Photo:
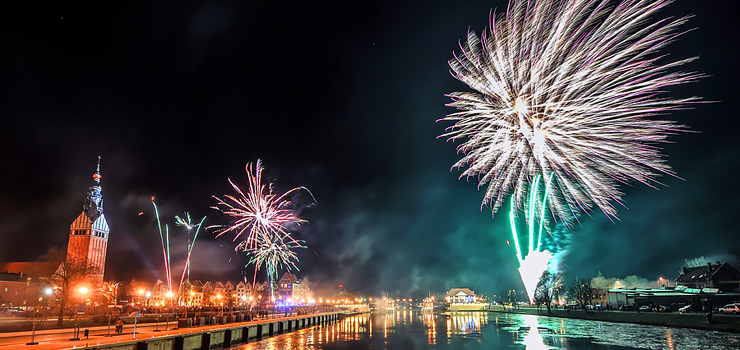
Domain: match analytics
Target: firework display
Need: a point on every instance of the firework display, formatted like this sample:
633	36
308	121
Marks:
164	236
258	210
534	261
275	252
188	224
569	91
261	220
570	88
165	239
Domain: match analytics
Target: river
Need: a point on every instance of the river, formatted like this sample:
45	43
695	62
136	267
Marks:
414	329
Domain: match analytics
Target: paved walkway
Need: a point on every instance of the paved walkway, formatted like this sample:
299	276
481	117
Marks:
61	338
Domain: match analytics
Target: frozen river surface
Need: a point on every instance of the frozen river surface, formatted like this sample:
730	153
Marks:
412	329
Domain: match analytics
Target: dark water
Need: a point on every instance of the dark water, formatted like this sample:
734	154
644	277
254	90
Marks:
410	330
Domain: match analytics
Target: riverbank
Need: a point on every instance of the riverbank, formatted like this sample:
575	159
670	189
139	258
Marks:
188	338
727	323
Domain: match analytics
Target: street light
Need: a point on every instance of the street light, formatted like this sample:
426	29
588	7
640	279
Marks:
148	295
82	291
169	295
221	305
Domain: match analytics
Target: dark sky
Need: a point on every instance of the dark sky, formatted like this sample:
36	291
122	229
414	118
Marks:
337	96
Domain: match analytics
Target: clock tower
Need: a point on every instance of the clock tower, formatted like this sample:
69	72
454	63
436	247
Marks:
88	234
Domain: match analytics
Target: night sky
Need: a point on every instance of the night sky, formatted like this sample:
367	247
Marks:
340	97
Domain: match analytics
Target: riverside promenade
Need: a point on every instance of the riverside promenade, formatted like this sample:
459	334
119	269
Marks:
720	322
155	337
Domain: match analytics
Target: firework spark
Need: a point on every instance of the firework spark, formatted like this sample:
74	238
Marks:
533	261
273	251
165	239
188	224
258	210
570	89
262	218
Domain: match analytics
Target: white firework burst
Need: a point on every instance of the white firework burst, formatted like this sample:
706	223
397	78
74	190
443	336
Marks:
571	88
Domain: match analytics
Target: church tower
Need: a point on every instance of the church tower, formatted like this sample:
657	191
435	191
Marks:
88	234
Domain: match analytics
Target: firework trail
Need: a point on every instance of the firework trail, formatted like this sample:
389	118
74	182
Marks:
187	223
275	252
568	91
570	88
258	210
165	239
534	261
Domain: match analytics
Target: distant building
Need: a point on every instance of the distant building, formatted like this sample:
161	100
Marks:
722	277
20	290
243	292
301	293
88	234
460	296
464	299
285	287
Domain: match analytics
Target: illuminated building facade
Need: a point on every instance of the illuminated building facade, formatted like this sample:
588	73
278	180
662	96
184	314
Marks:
88	234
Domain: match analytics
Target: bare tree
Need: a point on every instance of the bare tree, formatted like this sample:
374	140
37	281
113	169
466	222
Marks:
104	295
547	289
68	276
581	292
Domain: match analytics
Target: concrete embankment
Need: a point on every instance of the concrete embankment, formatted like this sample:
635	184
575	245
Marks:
216	335
728	323
226	336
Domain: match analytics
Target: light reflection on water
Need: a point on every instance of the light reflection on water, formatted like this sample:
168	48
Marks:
413	329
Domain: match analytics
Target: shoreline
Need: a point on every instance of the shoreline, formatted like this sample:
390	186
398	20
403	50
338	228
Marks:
725	323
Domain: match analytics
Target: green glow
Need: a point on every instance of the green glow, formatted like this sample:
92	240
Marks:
531	209
512	220
536	261
531	216
542	213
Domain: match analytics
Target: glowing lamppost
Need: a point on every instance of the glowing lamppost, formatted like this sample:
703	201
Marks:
82	291
148	295
221	304
141	297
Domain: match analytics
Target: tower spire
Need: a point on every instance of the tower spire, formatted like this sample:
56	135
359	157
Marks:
96	176
93	206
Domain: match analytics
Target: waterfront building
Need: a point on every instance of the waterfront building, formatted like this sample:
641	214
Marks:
243	292
722	277
285	287
196	293
301	293
464	299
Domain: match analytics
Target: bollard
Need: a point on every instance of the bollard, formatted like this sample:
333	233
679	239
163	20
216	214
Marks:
179	343
205	341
